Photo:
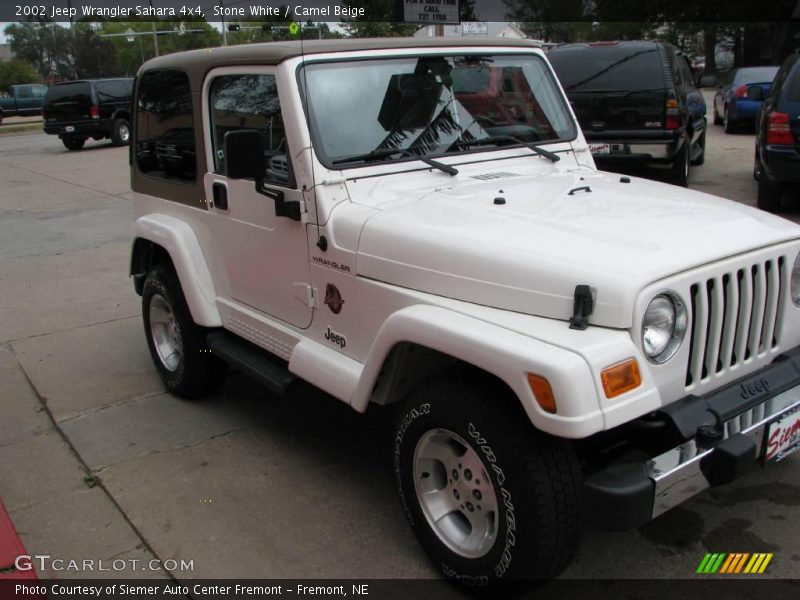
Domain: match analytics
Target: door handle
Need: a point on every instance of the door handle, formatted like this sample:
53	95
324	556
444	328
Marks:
220	193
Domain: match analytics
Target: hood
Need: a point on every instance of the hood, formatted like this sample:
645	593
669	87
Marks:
529	253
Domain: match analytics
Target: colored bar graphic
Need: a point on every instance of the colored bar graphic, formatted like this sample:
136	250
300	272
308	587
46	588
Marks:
734	563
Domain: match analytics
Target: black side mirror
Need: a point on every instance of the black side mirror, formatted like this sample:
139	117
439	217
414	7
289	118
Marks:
755	92
244	159
244	154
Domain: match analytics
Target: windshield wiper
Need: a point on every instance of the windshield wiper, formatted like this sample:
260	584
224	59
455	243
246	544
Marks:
495	139
381	153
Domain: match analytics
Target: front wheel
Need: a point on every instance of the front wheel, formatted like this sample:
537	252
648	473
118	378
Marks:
489	498
176	343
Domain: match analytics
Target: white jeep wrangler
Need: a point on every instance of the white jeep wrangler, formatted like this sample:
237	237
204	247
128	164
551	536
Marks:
421	222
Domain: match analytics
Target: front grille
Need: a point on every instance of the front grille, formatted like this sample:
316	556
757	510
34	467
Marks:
735	318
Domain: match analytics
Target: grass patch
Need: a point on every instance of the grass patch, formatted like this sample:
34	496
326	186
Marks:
21	129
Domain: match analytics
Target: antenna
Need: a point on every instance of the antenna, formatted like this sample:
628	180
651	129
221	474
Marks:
322	243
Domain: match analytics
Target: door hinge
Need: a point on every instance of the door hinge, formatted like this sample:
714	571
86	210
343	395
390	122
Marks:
307	294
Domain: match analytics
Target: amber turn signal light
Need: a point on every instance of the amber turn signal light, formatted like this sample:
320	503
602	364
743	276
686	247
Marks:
621	378
543	392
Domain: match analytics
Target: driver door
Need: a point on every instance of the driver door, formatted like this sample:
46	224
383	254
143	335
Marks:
265	256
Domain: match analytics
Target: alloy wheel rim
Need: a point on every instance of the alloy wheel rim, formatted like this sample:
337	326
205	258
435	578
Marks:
124	133
165	333
455	493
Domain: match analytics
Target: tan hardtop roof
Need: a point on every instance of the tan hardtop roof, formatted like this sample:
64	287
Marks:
198	62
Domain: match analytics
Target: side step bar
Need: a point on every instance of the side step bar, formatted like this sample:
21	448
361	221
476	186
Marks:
259	364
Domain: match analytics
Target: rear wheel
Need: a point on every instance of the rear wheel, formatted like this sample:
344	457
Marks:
680	168
727	123
121	133
73	142
769	195
489	498
717	118
176	343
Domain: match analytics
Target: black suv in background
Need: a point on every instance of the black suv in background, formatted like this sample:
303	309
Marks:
777	161
636	103
97	109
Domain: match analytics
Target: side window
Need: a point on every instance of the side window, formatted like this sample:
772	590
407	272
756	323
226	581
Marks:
165	146
686	70
677	72
39	91
24	91
250	102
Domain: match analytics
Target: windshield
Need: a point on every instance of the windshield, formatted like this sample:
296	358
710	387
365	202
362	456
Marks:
387	109
618	68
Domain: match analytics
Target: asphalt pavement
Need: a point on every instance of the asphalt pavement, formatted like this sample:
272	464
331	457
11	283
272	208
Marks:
96	461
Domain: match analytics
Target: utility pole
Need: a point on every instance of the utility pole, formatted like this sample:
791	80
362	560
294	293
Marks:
155	35
224	28
69	6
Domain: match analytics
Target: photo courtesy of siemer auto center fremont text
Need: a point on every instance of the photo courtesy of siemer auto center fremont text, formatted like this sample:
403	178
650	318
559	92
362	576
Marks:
429	299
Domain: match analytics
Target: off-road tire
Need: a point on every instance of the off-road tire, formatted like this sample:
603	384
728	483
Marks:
73	143
198	372
769	195
535	478
121	133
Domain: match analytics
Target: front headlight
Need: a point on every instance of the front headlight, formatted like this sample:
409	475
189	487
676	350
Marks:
663	327
795	282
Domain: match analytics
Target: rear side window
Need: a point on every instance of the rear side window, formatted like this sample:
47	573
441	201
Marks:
114	90
584	69
165	143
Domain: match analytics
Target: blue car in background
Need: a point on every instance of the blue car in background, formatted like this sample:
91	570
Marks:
777	160
737	103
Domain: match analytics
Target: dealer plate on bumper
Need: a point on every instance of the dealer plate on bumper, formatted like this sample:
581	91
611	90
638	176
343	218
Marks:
783	437
600	148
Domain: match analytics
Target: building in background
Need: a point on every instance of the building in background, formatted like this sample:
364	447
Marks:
472	29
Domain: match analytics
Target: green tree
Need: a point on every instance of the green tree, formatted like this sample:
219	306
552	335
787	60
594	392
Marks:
16	71
44	44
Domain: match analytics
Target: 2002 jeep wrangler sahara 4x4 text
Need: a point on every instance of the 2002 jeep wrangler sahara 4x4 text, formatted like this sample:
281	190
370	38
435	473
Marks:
421	222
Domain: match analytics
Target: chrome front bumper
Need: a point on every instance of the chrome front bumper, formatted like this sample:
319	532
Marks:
718	438
678	474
